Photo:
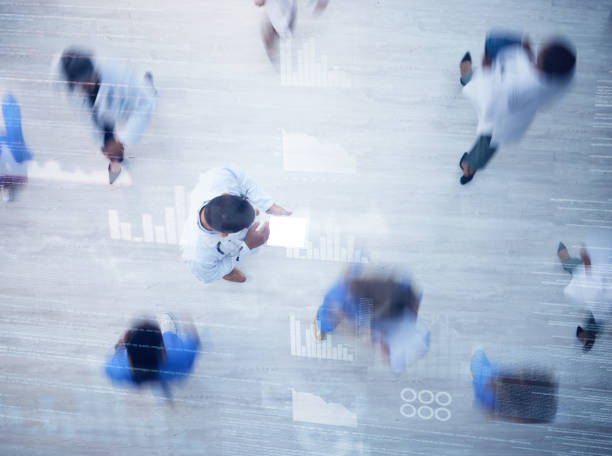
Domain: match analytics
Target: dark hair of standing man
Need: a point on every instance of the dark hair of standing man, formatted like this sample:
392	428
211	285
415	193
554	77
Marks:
145	350
77	66
558	59
229	213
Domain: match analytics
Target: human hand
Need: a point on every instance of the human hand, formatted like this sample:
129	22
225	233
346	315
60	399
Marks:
255	238
113	150
277	210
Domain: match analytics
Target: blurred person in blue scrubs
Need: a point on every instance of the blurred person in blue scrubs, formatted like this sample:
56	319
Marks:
154	352
14	155
520	394
379	303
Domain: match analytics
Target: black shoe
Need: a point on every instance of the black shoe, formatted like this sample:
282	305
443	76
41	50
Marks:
465	179
466	58
112	176
149	78
461	161
588	341
562	247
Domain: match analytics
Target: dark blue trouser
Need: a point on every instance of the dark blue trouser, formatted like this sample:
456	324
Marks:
497	41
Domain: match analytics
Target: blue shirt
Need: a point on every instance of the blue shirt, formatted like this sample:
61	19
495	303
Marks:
180	356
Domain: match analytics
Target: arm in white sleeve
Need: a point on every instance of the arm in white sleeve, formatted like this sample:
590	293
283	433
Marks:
249	188
138	120
210	265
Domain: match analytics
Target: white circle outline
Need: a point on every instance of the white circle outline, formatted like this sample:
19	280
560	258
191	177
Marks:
446	410
414	395
430	410
414	410
450	398
421	399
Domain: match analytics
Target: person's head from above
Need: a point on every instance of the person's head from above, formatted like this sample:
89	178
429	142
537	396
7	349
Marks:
387	298
145	350
78	69
526	395
557	59
227	214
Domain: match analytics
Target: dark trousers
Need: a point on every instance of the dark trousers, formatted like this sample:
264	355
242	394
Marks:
497	41
480	154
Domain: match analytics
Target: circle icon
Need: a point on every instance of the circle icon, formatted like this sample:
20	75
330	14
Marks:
425	412
443	414
426	397
443	398
409	391
408	410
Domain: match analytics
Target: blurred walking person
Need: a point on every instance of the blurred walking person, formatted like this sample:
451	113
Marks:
590	287
508	91
14	154
154	352
522	394
118	101
379	303
278	23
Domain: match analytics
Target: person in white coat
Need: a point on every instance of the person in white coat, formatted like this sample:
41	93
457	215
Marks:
221	229
591	285
509	90
119	102
278	23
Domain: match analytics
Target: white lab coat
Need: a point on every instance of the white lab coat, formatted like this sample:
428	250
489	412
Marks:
281	14
209	255
125	100
508	95
592	288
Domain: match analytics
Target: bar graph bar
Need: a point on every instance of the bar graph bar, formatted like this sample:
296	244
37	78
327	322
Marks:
170	219
331	247
113	224
302	68
147	227
307	346
126	231
160	234
169	232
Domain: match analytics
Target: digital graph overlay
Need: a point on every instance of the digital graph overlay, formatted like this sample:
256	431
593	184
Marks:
426	404
168	232
330	247
303	68
307	346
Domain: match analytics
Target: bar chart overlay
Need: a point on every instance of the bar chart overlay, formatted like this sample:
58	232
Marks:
307	346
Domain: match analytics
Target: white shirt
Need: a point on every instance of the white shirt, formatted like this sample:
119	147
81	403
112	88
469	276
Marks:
507	95
209	255
281	14
125	101
407	339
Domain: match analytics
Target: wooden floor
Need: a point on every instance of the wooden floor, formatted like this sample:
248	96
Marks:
371	94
